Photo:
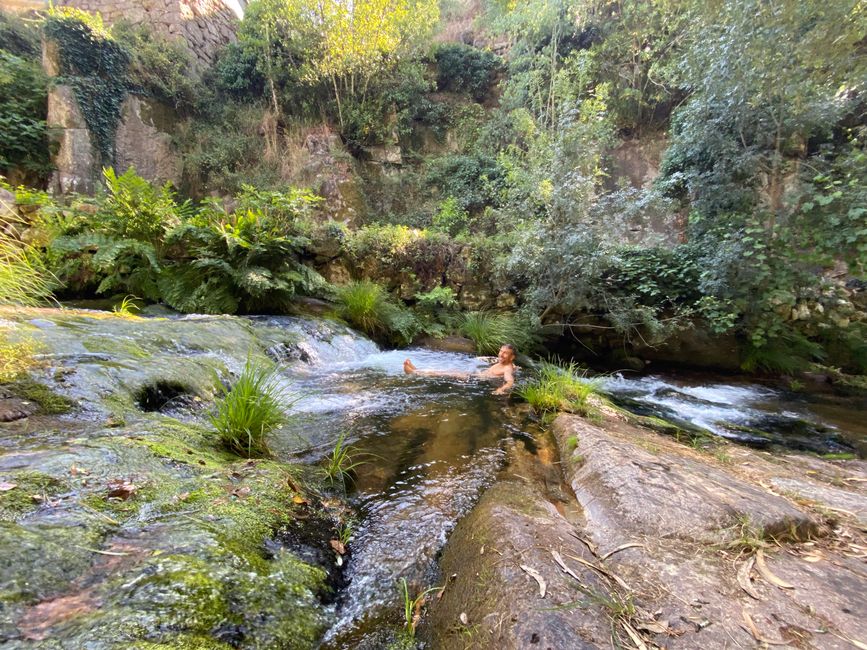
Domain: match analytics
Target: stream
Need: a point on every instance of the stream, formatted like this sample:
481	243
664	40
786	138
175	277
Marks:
431	446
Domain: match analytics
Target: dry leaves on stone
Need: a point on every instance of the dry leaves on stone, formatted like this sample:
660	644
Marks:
543	585
766	573
121	489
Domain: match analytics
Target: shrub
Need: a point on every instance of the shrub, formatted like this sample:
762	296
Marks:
559	388
472	181
158	67
467	69
251	409
23	108
451	218
491	330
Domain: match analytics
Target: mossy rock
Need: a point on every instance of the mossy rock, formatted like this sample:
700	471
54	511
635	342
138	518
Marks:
49	401
31	489
40	561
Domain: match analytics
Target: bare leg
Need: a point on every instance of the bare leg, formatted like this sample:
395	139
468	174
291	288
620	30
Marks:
410	369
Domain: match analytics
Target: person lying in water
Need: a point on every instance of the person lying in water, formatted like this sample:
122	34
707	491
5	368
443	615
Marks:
505	368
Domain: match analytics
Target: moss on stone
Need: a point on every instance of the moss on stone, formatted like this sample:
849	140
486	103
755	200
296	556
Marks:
39	561
184	443
115	346
182	593
50	403
31	489
182	642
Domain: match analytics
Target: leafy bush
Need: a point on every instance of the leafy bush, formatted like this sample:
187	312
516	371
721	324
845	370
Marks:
472	181
23	109
559	388
224	152
466	69
158	67
451	218
19	37
251	409
491	330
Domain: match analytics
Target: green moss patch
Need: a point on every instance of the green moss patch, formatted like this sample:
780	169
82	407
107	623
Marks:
50	403
30	490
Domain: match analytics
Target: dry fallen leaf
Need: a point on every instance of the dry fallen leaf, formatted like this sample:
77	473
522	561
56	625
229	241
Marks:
298	499
464	619
120	489
744	578
5	487
543	586
765	572
338	546
242	491
750	626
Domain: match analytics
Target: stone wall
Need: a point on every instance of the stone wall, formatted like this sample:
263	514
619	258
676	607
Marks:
205	25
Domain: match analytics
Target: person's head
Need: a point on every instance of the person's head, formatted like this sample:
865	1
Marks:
507	353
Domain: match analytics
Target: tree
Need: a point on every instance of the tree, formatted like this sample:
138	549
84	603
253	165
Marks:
361	39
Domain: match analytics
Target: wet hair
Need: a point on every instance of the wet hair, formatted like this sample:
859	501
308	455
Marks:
512	348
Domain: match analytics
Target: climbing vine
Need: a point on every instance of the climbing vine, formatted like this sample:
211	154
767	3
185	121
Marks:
95	66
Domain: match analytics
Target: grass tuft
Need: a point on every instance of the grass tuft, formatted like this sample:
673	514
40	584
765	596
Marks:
341	462
364	305
252	408
15	357
368	307
559	388
490	330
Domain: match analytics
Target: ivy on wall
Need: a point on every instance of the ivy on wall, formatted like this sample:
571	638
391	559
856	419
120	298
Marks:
95	66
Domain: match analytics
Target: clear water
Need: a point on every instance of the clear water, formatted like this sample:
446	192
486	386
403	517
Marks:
431	445
748	412
434	444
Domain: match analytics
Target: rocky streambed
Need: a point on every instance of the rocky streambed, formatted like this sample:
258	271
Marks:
123	524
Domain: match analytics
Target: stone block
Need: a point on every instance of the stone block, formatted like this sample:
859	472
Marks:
141	144
63	110
75	162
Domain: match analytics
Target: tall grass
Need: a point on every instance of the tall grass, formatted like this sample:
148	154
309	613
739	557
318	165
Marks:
368	307
490	330
15	357
252	408
23	278
559	388
364	305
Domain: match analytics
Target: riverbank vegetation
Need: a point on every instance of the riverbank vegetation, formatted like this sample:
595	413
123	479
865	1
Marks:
508	213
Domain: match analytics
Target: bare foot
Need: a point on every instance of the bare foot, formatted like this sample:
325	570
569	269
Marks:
408	367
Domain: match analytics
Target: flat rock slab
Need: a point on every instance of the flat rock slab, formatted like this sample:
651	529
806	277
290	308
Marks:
13	408
490	601
693	521
628	483
837	500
